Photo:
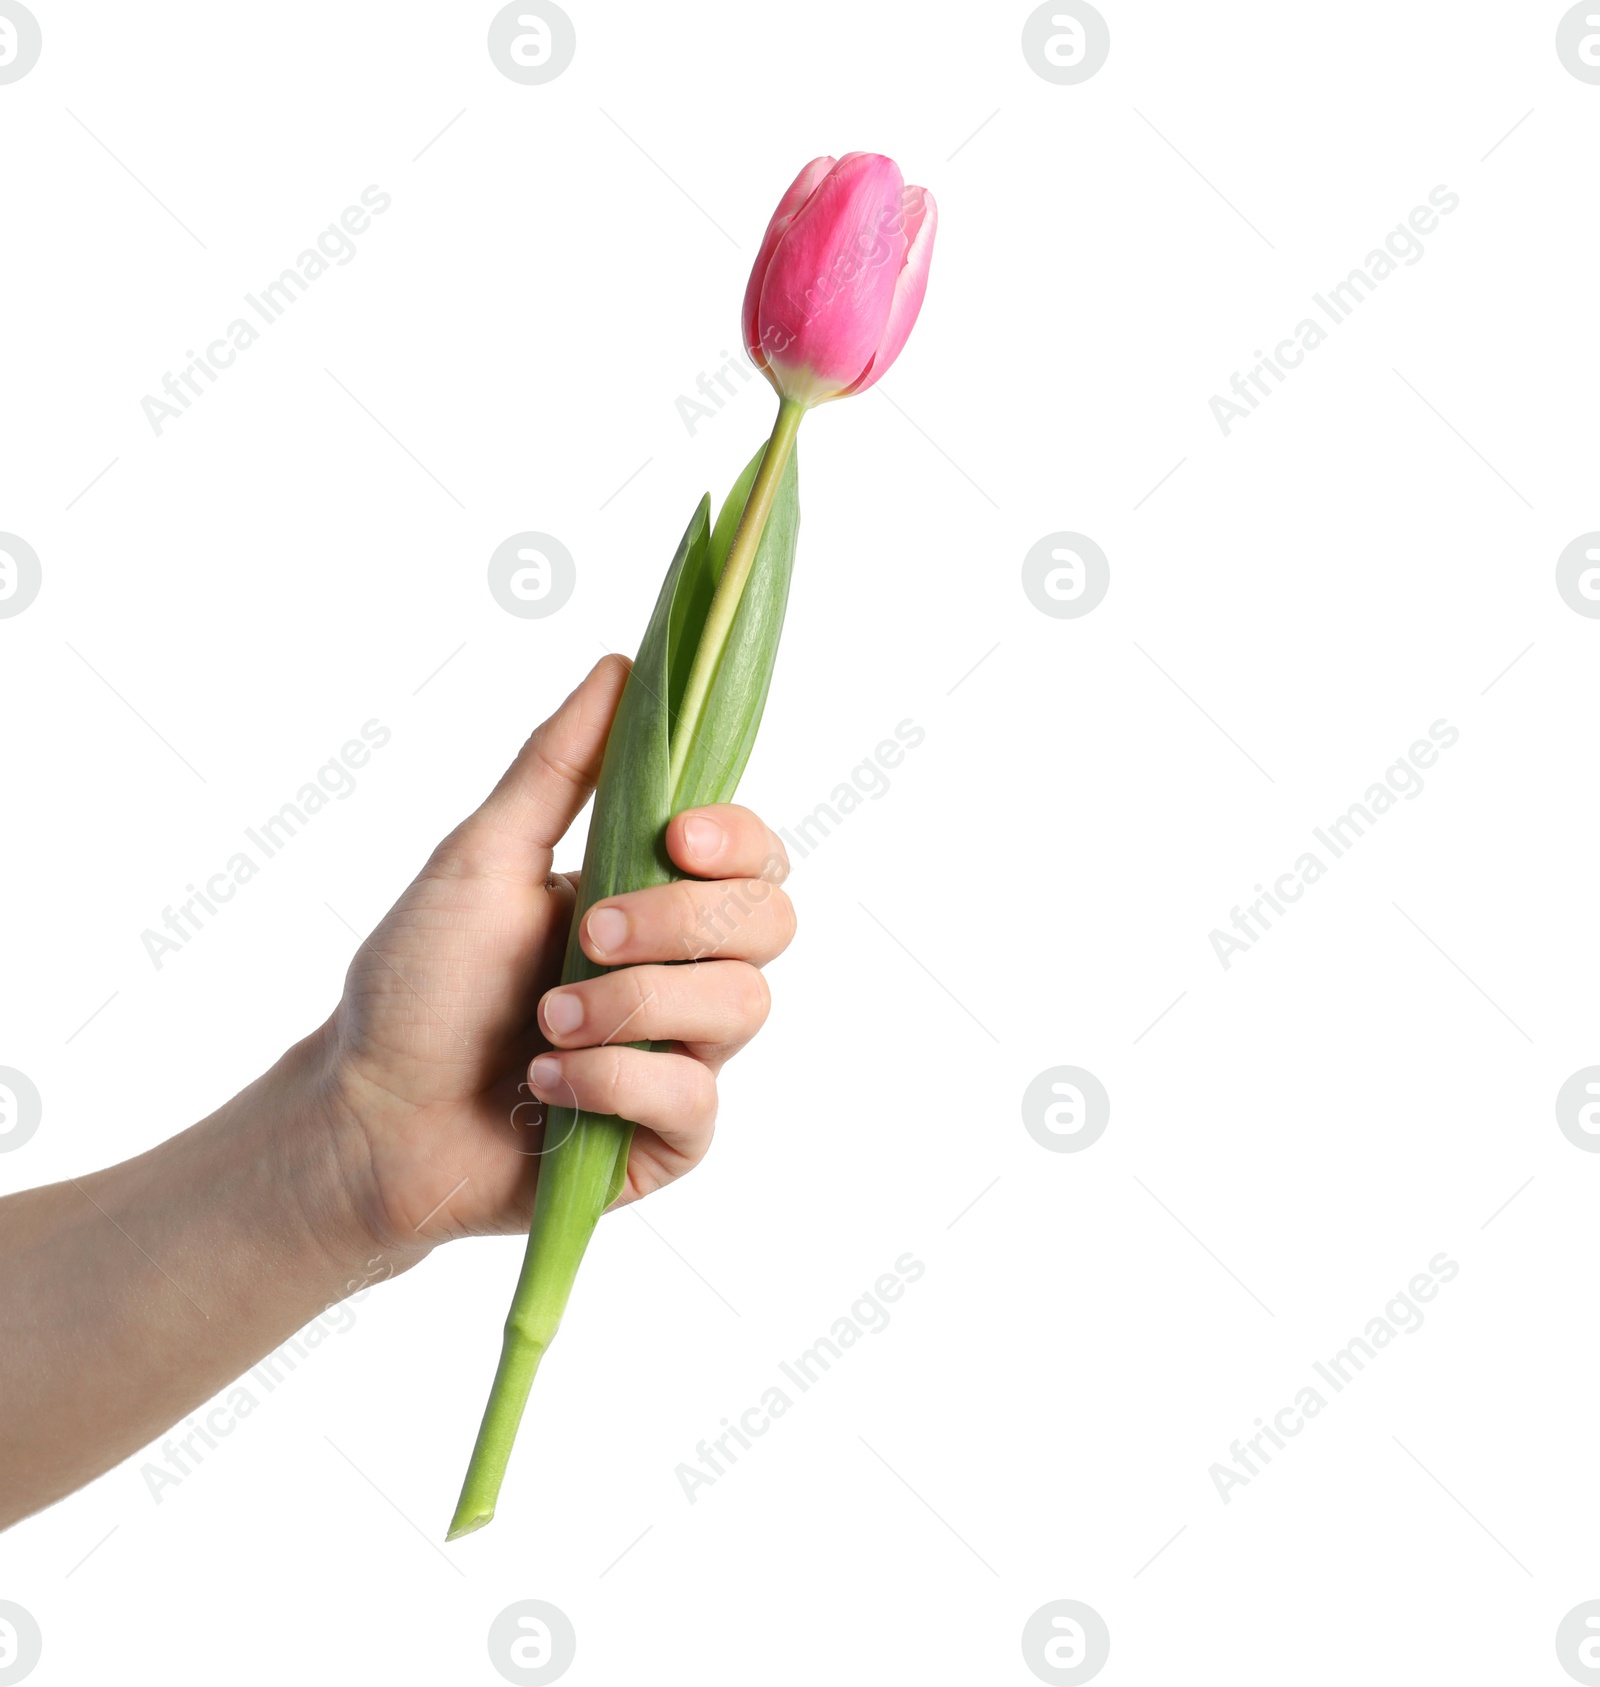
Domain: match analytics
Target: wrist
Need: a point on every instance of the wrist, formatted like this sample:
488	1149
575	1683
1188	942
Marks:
298	1125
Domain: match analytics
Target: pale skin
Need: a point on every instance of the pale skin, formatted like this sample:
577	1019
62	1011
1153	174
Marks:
130	1296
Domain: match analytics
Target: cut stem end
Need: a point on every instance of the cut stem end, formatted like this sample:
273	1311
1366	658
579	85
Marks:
464	1525
519	1363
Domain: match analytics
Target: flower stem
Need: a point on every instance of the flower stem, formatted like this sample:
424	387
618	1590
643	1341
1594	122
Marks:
576	1184
730	588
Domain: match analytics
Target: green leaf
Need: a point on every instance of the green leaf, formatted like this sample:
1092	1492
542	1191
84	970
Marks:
729	721
691	599
732	508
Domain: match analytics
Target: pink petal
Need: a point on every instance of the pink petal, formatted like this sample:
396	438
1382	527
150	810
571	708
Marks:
799	191
922	222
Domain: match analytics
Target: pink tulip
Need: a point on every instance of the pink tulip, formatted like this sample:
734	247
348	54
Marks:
839	278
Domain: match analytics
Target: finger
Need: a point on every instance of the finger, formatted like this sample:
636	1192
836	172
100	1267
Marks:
722	1004
670	1094
734	919
725	841
515	830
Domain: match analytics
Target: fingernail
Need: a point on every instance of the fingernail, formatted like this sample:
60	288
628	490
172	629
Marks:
704	838
608	930
545	1073
563	1011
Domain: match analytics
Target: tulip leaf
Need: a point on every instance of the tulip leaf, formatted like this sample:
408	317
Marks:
732	508
725	732
691	599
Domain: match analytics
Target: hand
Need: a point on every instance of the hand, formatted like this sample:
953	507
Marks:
131	1295
438	1112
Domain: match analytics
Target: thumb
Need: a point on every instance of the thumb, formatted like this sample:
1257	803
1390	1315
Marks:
514	832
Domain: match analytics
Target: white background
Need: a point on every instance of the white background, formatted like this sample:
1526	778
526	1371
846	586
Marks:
1302	1132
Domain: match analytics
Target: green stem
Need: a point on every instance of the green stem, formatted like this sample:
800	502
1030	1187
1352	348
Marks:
730	588
575	1186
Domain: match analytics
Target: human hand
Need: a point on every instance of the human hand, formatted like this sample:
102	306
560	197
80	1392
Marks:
426	1060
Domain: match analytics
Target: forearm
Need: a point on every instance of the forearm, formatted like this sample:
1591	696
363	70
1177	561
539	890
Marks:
131	1295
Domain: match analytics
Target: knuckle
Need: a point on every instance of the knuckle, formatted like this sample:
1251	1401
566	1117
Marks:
611	1077
639	992
555	767
766	846
755	998
685	904
617	1009
456	856
476	849
704	1105
784	919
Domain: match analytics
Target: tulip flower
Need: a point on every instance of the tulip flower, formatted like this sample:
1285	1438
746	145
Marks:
839	278
836	287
